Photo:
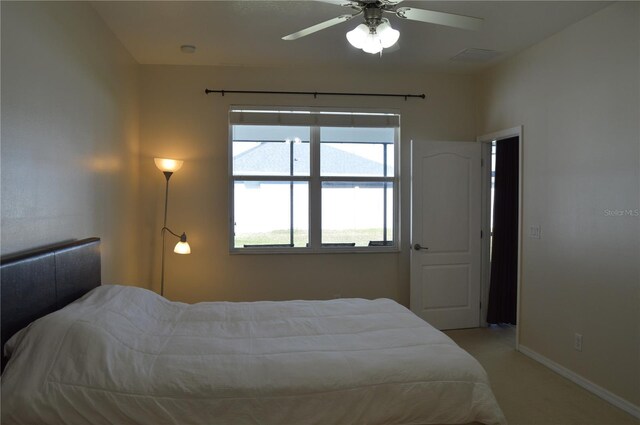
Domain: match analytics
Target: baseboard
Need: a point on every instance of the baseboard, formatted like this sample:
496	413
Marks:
607	395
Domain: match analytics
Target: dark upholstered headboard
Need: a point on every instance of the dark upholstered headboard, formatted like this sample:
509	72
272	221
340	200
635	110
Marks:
41	281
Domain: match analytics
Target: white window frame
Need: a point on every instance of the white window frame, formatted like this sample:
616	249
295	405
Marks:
315	180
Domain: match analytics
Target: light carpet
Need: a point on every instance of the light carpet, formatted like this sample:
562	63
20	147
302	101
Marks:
530	393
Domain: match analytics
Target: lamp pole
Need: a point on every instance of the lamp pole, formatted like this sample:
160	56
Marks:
167	175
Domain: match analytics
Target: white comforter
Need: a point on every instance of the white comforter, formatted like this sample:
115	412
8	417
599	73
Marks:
125	355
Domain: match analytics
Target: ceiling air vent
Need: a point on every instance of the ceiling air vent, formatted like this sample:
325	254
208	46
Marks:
475	55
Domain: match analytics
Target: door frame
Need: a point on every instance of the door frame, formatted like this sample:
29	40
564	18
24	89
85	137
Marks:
486	200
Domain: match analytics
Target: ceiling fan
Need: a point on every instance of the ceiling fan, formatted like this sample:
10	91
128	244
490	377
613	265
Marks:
376	32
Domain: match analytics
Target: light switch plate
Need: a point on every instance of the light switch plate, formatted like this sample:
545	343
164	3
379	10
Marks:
534	231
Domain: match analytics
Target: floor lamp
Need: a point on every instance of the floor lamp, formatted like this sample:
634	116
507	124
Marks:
168	167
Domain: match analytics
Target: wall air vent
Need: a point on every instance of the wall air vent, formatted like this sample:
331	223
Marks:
475	55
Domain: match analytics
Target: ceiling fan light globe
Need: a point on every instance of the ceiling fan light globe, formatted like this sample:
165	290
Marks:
372	44
358	36
389	37
384	26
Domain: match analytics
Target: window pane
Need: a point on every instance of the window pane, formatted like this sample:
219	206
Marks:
347	151
390	217
263	214
260	150
355	213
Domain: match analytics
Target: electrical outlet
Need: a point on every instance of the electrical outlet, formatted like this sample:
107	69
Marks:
577	342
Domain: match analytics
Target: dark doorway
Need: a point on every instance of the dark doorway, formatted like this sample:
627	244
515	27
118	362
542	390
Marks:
503	287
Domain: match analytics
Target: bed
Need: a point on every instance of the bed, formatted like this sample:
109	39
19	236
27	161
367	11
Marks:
91	353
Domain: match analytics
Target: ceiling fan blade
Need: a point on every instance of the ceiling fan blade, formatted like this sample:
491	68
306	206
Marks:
318	27
440	18
346	3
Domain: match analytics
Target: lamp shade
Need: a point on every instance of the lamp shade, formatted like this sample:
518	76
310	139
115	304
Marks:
182	248
166	164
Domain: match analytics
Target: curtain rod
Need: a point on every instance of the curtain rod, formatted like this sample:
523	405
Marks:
316	93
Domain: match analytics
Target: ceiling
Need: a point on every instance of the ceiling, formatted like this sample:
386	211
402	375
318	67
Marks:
248	33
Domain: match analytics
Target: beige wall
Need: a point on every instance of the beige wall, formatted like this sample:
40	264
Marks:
576	95
179	120
69	133
72	167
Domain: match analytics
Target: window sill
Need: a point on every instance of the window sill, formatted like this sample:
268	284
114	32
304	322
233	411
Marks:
298	251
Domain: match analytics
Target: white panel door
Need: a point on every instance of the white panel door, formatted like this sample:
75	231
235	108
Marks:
445	233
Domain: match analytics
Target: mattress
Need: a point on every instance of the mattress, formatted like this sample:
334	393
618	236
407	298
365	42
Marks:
123	355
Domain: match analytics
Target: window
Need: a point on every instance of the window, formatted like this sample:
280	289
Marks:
313	181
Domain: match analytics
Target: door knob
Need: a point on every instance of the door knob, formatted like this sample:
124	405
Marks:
418	247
